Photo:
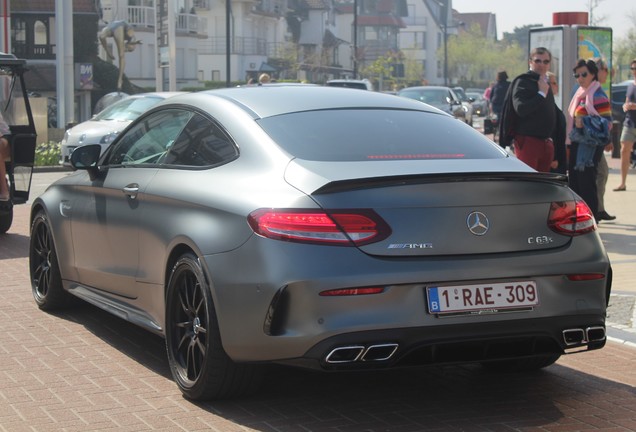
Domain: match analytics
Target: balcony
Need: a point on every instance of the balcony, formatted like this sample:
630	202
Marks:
240	45
371	50
202	4
273	8
143	16
33	51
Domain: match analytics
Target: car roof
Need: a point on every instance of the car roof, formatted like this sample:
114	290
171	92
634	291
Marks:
623	83
162	95
426	88
267	101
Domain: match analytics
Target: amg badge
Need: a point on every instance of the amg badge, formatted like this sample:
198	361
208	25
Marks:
410	246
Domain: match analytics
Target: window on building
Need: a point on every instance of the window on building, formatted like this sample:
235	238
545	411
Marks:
412	40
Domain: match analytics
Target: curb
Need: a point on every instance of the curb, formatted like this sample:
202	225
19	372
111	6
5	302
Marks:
53	168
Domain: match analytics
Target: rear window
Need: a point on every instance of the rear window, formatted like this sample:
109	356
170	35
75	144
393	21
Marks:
377	134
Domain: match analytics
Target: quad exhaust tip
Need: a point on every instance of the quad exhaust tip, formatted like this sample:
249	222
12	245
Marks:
361	353
579	336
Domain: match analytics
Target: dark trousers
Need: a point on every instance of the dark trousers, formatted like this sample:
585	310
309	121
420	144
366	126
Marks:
584	182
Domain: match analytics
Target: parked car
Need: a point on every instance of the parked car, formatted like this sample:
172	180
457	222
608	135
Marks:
363	84
475	90
107	124
618	95
467	102
443	98
480	104
326	228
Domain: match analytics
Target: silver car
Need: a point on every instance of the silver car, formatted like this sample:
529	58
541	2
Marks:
320	227
106	125
443	98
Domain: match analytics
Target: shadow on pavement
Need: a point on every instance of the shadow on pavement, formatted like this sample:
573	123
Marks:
14	246
455	397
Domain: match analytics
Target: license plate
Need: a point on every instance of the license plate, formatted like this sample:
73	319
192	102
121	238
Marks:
482	298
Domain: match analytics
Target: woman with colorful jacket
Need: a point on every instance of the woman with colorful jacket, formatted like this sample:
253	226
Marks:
589	100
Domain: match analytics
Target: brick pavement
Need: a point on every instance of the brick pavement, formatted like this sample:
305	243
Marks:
83	369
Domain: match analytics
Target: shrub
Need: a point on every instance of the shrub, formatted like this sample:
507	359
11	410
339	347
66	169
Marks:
47	154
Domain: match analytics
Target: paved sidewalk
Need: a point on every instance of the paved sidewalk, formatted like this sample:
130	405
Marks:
85	370
619	237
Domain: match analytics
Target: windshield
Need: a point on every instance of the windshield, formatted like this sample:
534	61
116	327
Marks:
377	134
128	109
435	97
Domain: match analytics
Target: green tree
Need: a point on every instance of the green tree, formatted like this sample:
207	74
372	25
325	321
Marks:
520	35
473	60
381	70
624	52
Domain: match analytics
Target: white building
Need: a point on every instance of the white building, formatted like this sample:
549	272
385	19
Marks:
314	37
143	64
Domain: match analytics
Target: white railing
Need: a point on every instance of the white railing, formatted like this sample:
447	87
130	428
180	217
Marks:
202	4
191	23
141	16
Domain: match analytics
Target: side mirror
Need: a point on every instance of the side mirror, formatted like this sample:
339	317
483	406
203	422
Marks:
471	99
86	158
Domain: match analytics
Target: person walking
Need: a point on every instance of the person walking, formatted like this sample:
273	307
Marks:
628	136
586	148
559	164
528	117
602	172
498	93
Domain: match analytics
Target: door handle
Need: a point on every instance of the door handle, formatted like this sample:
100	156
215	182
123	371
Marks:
131	190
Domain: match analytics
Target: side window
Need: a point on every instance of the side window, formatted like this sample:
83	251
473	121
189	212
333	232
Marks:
148	142
202	143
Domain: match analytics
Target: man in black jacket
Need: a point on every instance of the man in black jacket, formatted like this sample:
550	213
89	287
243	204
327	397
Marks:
529	114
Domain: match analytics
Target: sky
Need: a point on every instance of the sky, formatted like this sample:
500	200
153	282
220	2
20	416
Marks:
515	13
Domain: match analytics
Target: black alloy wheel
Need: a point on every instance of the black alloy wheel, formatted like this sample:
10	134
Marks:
198	363
46	282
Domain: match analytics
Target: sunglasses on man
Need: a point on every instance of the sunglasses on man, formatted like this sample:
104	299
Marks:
539	61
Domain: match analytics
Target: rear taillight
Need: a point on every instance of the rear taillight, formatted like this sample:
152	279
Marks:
571	218
345	228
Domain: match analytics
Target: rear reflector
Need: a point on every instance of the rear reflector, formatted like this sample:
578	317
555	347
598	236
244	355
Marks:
585	276
345	228
571	218
352	291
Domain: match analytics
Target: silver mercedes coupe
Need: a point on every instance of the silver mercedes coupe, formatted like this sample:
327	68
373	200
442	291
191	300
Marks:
325	228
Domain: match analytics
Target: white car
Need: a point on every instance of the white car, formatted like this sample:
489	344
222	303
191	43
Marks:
108	123
363	84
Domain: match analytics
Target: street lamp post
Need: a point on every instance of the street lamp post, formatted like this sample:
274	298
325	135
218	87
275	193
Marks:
228	46
355	39
445	52
444	21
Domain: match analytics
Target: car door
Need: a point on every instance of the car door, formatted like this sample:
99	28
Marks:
106	216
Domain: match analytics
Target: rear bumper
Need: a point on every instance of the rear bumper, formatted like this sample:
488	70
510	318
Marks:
271	308
455	344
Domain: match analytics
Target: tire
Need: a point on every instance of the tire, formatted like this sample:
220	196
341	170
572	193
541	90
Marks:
198	362
46	281
523	364
6	218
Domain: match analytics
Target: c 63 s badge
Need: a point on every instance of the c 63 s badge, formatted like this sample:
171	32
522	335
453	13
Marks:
540	240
